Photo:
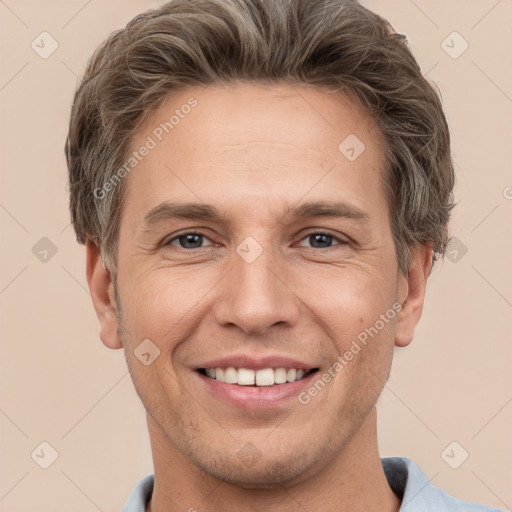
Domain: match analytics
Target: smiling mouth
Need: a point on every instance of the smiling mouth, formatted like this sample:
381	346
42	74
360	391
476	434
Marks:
256	378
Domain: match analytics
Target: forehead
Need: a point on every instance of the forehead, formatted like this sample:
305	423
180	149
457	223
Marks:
255	141
261	110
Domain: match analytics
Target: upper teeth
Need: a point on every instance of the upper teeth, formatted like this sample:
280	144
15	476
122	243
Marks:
246	377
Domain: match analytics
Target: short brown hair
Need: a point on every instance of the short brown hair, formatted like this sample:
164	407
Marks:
318	43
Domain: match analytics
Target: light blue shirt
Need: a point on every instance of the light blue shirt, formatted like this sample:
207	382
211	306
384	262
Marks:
404	477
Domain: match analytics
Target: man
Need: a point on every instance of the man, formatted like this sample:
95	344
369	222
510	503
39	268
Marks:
262	187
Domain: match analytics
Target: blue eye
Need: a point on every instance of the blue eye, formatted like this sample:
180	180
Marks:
193	240
190	240
322	240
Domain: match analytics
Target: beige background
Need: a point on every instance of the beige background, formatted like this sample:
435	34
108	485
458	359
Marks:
59	384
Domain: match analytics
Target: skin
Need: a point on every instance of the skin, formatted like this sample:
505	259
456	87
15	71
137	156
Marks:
253	152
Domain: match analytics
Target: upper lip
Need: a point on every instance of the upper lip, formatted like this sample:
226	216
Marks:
256	363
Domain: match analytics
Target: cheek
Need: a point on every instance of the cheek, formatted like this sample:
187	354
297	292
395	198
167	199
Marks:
357	314
158	305
348	300
371	340
158	313
365	359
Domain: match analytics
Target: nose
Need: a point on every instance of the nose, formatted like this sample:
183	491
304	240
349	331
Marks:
256	296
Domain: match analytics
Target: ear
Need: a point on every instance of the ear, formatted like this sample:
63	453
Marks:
411	294
103	297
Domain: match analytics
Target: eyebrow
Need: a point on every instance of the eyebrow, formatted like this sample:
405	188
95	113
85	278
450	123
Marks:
167	211
200	211
328	209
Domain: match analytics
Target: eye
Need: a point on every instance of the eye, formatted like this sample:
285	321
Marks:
189	240
321	240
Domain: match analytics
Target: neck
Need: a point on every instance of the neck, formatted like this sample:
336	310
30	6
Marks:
353	481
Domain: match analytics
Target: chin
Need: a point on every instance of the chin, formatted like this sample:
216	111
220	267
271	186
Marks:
248	468
265	474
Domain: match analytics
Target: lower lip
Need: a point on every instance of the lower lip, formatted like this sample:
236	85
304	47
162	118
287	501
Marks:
253	397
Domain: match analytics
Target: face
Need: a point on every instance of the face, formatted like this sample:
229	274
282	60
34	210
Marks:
249	240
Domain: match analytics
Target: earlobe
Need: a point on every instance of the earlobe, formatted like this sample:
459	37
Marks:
102	293
412	294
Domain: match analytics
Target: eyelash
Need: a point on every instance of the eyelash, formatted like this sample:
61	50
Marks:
307	235
319	232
